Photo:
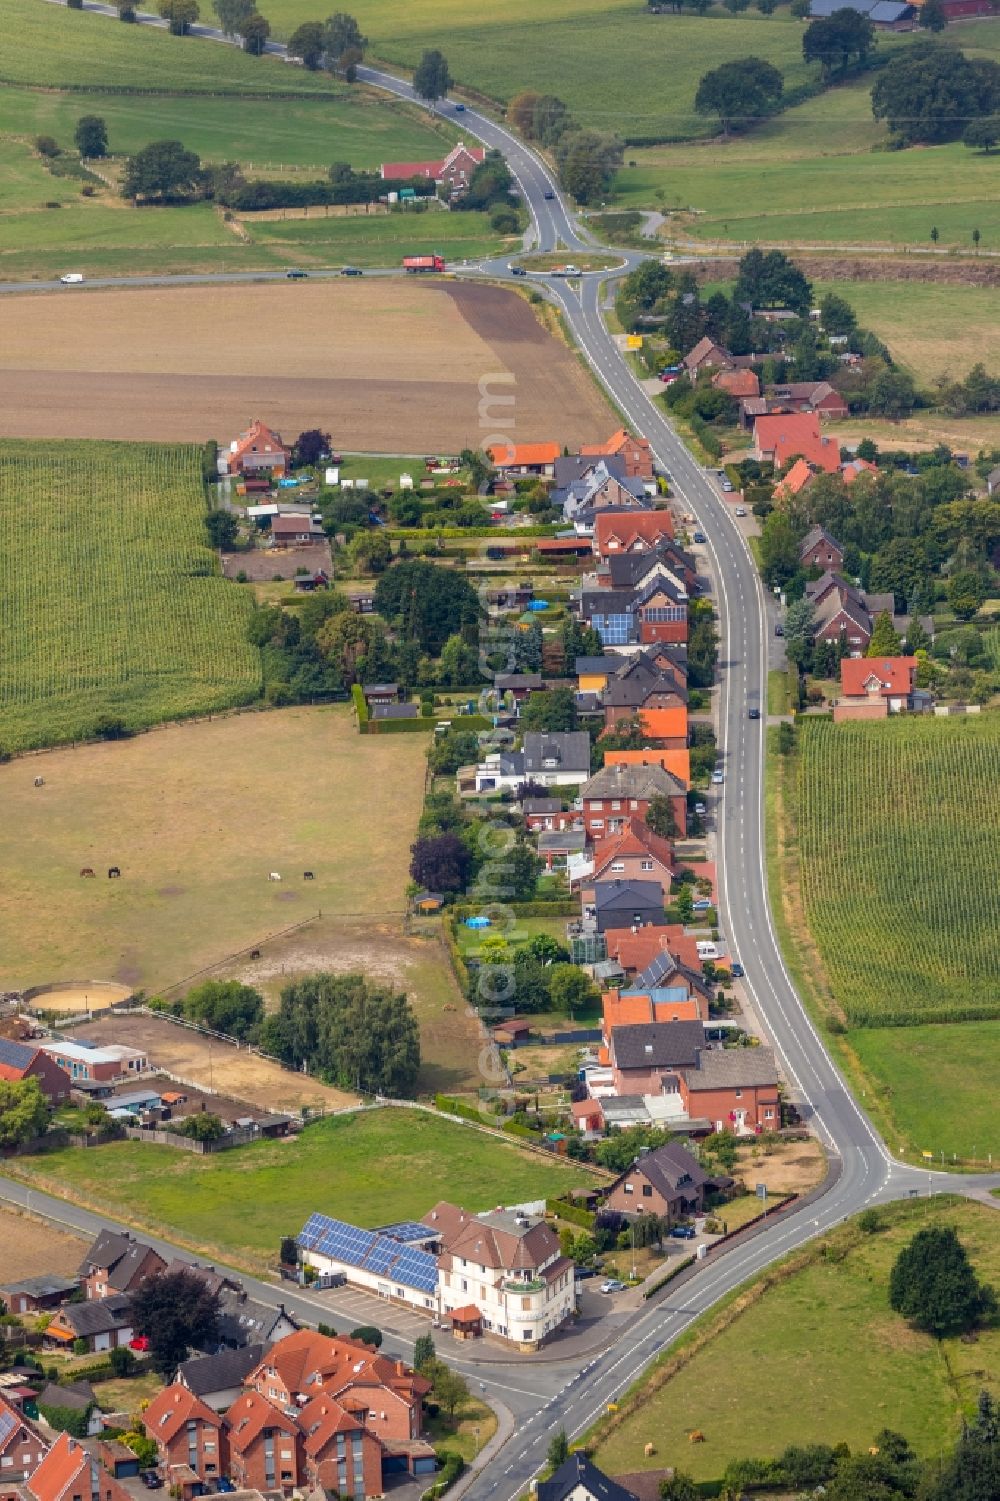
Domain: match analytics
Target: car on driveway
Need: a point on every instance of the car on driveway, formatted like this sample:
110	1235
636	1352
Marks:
718	776
754	713
151	1480
779	629
224	1486
727	486
682	1232
702	904
741	510
612	1287
699	807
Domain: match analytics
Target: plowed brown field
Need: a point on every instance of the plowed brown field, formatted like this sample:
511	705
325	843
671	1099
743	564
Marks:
384	365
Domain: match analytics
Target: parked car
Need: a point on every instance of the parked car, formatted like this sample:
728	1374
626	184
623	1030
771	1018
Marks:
351	271
727	486
718	776
682	1232
754	713
612	1287
517	271
741	510
224	1486
583	1272
296	275
699	807
737	971
151	1480
701	905
779	629
700	537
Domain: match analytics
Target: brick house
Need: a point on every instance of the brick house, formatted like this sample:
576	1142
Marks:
736	1089
523	459
38	1294
619	792
69	1473
707	355
455	169
96	1065
636	453
739	384
618	532
641	1055
819	550
666	991
218	1379
22	1449
808	396
668	1182
339	1455
635	854
875	688
22	1060
635	951
547	814
104	1324
117	1264
258	451
263	1446
296	531
661	609
634	569
187	1432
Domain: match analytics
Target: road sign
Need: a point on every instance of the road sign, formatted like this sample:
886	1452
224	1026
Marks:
762	1190
633	341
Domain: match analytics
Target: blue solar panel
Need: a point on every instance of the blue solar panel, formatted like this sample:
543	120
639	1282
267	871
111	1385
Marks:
406	1230
371	1250
382	1257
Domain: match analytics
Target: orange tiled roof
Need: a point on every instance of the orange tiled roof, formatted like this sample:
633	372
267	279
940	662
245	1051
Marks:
892	675
249	1415
508	455
629	527
787	434
171	1408
636	951
795	480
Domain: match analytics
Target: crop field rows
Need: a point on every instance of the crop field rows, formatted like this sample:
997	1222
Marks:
110	603
900	839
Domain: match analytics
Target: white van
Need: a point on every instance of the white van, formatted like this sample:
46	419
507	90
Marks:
707	950
71	278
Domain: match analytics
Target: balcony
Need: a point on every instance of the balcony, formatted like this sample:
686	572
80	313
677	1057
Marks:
514	1285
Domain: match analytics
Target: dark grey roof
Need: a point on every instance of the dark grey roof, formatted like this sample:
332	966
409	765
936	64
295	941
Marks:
505	680
671	1168
205	1374
577	1475
626	568
562	840
119	1255
732	1068
634	781
607	602
394	711
41	1287
569	749
624	896
658	1045
633	688
541	805
242	1321
16	1054
609	663
818	534
99	1316
572	467
663	966
79	1395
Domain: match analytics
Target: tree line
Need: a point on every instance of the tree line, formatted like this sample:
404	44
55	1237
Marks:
587	160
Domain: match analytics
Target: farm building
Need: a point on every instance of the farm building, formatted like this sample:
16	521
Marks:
258	451
21	1060
100	1065
455	169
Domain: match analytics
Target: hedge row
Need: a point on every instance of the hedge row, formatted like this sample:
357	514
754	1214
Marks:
399	726
669	1276
451	1106
558	907
267	193
585	1218
458	964
454	533
360	706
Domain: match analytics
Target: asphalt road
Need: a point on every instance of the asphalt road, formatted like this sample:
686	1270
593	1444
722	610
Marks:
562	1393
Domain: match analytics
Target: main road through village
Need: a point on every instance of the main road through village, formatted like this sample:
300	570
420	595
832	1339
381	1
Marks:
544	1394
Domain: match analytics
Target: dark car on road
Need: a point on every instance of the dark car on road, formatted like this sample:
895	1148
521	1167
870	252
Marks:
549	193
296	275
779	629
350	271
754	713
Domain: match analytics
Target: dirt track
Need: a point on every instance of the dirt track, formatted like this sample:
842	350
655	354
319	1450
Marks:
388	366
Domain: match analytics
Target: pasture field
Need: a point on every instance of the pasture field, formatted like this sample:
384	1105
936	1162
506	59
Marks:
933	328
805	1322
307	130
29	1244
192	815
814	175
375	239
332	354
371	1167
110	599
899	830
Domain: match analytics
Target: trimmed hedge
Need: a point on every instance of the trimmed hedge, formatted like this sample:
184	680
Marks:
451	1106
360	706
669	1276
416	726
585	1218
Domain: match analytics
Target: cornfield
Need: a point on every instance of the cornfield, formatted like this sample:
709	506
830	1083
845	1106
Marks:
899	826
110	599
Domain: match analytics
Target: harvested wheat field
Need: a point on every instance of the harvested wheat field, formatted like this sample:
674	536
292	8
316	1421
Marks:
30	1246
384	365
219	1067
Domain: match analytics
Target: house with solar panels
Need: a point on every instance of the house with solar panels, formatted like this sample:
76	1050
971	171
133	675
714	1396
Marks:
499	1273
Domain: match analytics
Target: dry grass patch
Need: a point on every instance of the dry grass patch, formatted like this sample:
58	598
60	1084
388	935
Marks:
31	1246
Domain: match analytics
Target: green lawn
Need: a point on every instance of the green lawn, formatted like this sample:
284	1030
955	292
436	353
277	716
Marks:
376	239
787	1369
813	175
942	1083
370	1168
307	130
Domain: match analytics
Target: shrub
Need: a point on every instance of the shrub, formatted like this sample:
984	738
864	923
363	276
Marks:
47	146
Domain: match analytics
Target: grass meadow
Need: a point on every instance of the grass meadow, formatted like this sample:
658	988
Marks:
933	328
375	239
370	1168
110	600
899	828
805	1324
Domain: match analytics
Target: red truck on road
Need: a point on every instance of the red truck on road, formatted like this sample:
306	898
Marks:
416	263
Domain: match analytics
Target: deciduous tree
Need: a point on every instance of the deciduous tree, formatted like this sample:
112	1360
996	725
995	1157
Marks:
162	169
739	93
225	1006
307	42
177	1312
24	1111
431	79
255	31
91	137
934	1286
343	41
441	862
180	15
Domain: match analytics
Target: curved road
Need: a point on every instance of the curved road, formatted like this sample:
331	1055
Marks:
560	1393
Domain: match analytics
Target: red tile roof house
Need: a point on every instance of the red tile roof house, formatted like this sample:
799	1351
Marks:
455	169
21	1448
69	1473
631	531
737	383
117	1264
636	452
636	950
258	451
819	550
340	1455
22	1060
523	459
264	1446
617	793
186	1432
634	854
808	396
874	688
785	436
